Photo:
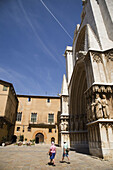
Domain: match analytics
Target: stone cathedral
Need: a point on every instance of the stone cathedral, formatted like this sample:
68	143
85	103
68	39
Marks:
86	120
83	114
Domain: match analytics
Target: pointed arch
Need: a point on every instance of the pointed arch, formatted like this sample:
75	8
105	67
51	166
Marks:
80	44
77	105
87	39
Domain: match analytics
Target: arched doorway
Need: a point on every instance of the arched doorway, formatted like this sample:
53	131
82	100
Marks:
77	108
14	138
53	139
39	138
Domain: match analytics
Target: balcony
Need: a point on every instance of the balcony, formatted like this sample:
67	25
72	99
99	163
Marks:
42	125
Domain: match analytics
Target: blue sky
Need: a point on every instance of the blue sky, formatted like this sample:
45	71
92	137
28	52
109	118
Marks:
32	43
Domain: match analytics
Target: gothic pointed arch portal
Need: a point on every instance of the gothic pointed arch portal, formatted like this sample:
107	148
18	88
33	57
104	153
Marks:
77	107
91	85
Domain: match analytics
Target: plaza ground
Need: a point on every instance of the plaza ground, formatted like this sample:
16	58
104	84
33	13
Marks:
14	157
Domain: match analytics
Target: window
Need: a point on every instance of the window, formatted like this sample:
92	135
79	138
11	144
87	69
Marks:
29	129
53	139
50	118
33	117
4	88
29	99
18	129
19	116
23	128
50	130
48	100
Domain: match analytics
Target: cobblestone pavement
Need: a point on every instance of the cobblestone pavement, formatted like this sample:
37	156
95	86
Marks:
35	158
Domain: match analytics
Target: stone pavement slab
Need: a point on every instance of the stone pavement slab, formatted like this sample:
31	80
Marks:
36	158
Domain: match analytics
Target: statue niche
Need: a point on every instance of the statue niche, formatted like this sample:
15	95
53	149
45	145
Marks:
64	125
105	107
93	111
100	107
89	110
97	107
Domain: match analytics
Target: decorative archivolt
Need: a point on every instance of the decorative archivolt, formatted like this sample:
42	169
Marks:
80	45
86	40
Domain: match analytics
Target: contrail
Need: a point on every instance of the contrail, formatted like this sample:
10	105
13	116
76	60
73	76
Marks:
34	31
56	19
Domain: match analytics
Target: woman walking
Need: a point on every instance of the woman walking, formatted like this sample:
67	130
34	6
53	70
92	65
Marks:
52	153
65	152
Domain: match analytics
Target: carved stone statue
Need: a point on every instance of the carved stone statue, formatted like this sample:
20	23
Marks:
76	126
81	125
61	125
71	125
88	111
64	125
98	107
105	107
93	109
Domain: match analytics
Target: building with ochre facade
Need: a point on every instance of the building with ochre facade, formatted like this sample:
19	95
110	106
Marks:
8	111
37	118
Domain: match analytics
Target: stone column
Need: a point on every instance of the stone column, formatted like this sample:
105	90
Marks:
64	125
64	117
100	124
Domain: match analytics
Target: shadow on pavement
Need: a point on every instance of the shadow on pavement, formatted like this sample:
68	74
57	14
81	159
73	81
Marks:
64	162
82	151
50	163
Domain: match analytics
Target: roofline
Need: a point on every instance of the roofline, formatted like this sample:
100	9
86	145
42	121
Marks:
9	85
35	96
22	95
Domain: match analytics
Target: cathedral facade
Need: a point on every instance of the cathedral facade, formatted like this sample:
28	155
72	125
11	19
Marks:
88	85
